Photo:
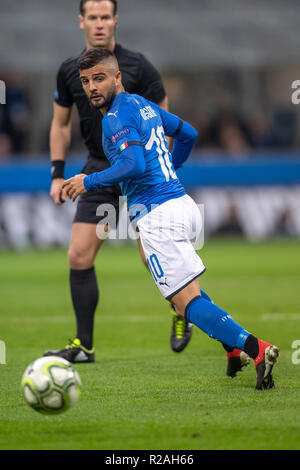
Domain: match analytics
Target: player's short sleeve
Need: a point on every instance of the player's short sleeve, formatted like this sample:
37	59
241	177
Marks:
62	95
151	85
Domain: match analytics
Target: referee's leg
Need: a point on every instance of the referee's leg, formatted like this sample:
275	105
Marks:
84	246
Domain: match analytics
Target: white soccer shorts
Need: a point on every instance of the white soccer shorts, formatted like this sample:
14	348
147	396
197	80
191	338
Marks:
168	234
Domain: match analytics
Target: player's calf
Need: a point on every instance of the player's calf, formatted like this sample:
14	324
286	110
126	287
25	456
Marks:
217	324
84	245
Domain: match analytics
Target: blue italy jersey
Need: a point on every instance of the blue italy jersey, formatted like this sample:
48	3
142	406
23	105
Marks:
134	121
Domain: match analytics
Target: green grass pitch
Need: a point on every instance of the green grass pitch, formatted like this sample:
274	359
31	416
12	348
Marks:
139	394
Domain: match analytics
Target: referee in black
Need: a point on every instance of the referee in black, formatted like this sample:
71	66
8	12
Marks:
98	19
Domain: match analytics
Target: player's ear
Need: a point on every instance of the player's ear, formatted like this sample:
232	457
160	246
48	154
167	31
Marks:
118	77
81	19
116	21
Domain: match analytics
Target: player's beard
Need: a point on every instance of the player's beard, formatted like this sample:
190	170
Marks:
110	96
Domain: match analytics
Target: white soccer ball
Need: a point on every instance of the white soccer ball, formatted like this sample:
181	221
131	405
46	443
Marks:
51	385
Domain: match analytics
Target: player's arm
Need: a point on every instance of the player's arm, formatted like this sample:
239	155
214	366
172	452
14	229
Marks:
129	164
60	132
182	132
184	141
60	136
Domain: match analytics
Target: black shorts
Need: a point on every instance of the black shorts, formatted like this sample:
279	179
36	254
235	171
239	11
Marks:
88	203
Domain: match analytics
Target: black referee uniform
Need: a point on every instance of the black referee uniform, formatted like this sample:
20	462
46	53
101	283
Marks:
138	76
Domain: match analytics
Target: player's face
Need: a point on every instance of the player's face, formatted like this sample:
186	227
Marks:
100	84
99	24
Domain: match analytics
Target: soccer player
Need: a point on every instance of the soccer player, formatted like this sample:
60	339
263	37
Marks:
98	19
134	131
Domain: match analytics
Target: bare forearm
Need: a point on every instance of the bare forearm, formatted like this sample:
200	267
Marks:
60	139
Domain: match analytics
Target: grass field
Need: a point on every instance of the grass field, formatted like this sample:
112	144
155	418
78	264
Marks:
139	394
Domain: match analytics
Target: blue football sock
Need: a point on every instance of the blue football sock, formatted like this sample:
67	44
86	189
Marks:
205	296
215	322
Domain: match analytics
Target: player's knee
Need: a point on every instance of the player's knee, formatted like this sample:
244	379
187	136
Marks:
80	258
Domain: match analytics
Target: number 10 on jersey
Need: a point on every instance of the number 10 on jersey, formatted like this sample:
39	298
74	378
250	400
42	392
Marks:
158	137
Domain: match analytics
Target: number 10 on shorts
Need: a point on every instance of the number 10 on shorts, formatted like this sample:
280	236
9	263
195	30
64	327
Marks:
155	267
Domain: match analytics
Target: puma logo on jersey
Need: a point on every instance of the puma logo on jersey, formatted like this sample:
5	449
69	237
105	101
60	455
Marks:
113	114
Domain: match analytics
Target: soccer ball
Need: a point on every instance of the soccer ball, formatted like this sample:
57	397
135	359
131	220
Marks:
51	385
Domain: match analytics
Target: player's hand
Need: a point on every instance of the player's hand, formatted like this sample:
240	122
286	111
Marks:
57	192
74	186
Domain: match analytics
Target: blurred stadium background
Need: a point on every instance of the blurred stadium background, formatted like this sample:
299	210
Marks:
228	68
